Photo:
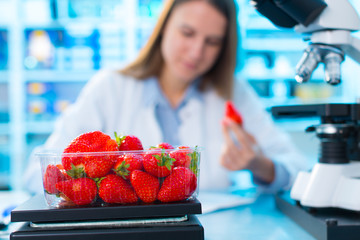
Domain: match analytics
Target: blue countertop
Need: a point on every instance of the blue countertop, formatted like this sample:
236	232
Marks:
259	220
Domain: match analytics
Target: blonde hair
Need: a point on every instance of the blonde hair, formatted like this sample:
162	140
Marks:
149	62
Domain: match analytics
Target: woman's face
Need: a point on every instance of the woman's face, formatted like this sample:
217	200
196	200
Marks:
192	40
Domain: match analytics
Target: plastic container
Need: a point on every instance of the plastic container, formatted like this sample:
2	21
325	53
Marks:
151	176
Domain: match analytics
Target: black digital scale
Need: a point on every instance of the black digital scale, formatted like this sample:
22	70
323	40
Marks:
156	221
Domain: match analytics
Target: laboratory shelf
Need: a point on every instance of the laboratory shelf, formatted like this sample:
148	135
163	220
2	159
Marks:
4	128
316	77
274	44
4	75
58	76
39	127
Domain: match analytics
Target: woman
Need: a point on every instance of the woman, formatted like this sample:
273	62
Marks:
175	92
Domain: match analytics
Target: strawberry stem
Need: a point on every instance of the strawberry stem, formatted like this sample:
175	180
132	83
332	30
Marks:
164	160
76	172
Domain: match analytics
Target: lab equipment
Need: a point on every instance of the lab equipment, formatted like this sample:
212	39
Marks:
324	201
327	24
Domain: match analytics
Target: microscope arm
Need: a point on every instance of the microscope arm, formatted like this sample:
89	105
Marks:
342	38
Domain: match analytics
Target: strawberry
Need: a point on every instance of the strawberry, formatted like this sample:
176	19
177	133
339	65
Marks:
63	171
232	113
127	163
97	167
158	163
82	191
114	189
179	186
94	165
128	143
146	186
182	156
164	145
52	176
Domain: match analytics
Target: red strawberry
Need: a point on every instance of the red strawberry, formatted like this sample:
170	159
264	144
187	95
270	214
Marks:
127	163
146	186
114	189
52	176
63	171
98	167
94	165
231	112
182	156
164	145
81	191
179	186
158	163
128	143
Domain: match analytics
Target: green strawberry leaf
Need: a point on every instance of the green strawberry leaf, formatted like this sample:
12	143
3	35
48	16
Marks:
122	170
98	181
195	161
165	160
76	172
119	138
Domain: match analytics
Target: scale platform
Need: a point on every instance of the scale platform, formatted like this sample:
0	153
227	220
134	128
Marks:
322	223
155	221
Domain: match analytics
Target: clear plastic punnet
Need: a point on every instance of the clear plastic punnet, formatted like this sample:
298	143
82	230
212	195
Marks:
97	179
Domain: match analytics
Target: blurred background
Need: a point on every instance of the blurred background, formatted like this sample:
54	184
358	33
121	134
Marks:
50	48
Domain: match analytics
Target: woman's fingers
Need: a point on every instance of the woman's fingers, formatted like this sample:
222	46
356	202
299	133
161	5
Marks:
240	147
240	135
231	159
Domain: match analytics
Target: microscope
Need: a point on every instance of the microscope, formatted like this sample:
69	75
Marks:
327	24
326	200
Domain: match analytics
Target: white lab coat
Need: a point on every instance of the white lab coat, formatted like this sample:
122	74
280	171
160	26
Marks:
113	102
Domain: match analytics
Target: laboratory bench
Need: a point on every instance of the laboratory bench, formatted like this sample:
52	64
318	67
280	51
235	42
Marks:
258	219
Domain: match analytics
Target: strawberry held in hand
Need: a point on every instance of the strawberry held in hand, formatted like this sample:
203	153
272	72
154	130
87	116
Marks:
114	189
94	165
232	113
128	143
146	186
179	186
82	191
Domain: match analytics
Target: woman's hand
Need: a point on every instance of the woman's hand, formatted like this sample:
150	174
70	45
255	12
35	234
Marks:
241	151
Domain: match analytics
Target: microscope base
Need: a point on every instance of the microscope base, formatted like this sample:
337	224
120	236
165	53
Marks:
322	223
